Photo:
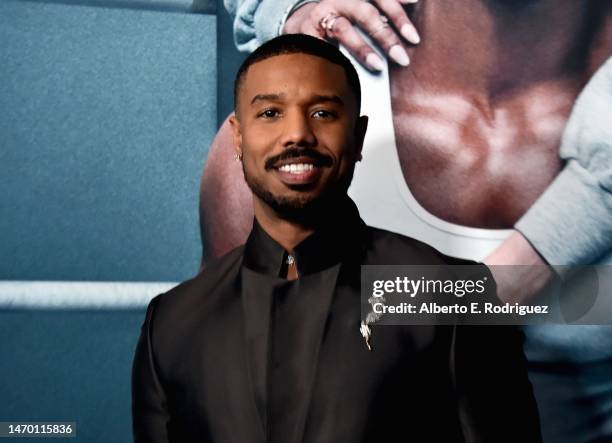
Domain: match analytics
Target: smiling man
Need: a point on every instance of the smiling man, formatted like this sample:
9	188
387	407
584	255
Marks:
264	345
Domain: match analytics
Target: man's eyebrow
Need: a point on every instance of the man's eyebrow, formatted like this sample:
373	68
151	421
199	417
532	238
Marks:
318	98
267	97
328	98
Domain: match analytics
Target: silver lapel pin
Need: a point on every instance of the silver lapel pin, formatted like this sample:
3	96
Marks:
366	332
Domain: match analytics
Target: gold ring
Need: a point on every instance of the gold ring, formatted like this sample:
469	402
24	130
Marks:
327	23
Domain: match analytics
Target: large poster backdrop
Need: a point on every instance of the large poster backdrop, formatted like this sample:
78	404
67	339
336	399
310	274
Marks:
465	145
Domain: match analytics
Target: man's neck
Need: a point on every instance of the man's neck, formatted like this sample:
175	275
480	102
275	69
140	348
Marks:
286	233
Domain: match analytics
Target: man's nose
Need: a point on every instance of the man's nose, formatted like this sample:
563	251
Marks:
298	131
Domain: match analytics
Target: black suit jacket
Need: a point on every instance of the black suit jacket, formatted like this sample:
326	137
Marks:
193	375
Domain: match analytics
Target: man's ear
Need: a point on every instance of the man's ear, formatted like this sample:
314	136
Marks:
360	131
236	135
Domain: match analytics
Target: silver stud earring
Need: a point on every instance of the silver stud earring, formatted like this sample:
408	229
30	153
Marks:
238	156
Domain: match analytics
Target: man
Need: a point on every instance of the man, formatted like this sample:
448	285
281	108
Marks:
264	344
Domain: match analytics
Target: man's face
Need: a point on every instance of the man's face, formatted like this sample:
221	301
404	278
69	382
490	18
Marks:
298	131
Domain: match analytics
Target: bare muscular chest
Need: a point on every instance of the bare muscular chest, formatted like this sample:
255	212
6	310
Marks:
475	164
479	114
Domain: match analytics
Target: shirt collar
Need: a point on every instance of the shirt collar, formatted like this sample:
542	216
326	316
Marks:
340	239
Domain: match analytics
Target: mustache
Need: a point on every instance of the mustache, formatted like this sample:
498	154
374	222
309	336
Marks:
318	159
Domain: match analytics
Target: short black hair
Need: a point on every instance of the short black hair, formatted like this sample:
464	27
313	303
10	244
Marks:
300	44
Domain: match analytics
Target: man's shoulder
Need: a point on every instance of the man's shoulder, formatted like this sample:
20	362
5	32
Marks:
177	320
390	248
200	291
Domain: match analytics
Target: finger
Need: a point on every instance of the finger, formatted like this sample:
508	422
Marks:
311	28
371	21
344	32
396	13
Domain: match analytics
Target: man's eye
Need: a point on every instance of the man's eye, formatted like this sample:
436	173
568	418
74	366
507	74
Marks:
322	113
269	113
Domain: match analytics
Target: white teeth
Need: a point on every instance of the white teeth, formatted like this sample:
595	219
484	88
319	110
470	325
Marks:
296	168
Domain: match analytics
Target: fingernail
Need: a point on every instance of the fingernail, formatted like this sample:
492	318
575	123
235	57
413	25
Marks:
410	34
399	55
375	62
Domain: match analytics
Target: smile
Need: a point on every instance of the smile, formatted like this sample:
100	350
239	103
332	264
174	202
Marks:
298	168
300	172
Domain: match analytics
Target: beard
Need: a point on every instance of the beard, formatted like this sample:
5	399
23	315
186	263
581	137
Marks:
304	209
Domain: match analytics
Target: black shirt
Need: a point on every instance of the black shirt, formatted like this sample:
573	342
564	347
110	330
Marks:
240	354
286	318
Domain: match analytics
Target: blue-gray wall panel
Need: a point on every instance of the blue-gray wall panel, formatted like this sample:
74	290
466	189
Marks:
69	366
197	6
106	116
